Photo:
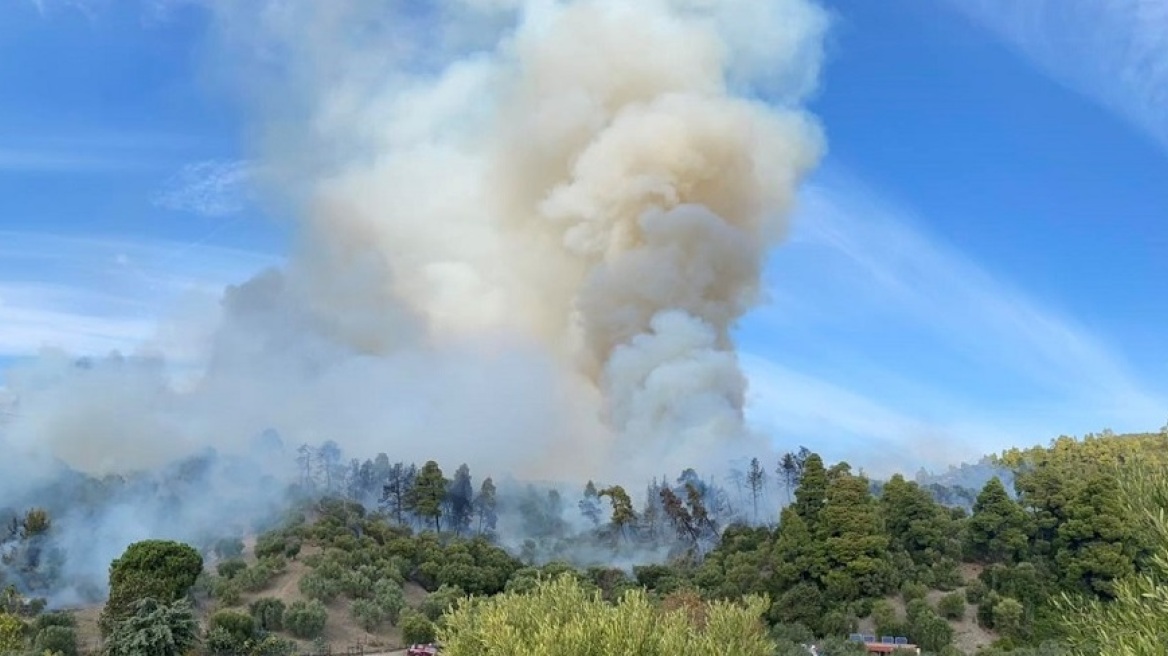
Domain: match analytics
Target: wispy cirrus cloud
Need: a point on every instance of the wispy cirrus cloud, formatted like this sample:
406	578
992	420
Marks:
1114	51
209	188
94	151
90	295
881	335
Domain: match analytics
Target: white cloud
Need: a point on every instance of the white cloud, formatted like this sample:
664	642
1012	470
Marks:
1114	51
210	188
882	336
90	295
801	409
48	161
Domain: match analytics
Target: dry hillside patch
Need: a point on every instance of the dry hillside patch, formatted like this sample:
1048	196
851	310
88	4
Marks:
340	630
968	636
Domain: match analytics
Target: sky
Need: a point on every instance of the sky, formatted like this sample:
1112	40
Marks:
978	262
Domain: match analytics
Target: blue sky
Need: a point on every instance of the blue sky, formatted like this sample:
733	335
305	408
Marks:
979	262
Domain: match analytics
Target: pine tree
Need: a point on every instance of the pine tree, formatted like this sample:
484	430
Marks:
485	504
590	504
998	530
460	498
756	480
428	493
812	490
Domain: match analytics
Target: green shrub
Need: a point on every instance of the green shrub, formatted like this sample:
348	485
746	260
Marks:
415	627
861	607
885	617
440	600
929	630
163	570
915	609
271	544
229	569
257	577
319	585
368	614
226	591
911	590
56	639
976	592
390	597
46	620
306	619
946	576
357	584
240	626
229	548
274	646
268	613
220	642
837	623
952	606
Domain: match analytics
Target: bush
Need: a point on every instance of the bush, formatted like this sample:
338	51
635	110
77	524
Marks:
240	626
226	591
56	639
792	633
229	548
884	615
357	584
952	606
837	623
163	570
916	609
440	600
306	619
390	597
43	622
946	576
274	646
415	627
257	577
975	593
268	613
565	617
220	642
368	614
271	544
910	591
319	586
929	631
229	569
861	607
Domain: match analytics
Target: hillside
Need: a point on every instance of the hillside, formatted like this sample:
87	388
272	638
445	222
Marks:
846	555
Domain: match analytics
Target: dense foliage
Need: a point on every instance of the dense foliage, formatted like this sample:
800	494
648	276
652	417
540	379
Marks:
162	570
1074	530
563	617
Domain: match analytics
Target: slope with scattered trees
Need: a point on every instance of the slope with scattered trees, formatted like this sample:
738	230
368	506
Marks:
400	554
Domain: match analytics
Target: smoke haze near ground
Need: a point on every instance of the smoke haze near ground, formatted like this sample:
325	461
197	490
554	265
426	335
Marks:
524	233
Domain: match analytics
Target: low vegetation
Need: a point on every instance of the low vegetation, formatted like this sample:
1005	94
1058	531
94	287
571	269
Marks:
1071	560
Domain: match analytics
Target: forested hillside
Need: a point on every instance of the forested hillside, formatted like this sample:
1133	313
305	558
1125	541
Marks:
1068	555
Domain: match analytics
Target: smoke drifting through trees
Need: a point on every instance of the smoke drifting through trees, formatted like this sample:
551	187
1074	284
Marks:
524	247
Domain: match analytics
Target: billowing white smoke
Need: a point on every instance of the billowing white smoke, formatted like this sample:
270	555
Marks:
525	232
595	177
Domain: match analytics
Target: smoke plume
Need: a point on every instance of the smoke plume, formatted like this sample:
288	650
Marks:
600	181
525	230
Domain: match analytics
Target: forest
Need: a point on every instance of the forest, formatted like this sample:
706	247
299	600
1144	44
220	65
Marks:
1070	558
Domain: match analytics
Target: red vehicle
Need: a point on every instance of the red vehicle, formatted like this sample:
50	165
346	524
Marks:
422	650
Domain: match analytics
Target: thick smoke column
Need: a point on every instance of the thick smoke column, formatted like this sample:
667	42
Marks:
524	232
599	180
